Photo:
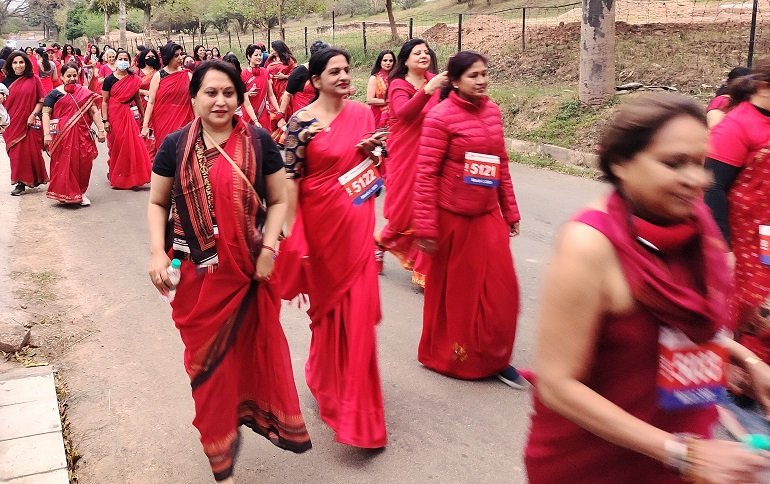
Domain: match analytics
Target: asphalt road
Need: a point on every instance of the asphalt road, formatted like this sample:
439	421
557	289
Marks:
130	408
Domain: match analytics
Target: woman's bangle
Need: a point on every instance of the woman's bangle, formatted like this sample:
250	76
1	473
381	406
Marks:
275	252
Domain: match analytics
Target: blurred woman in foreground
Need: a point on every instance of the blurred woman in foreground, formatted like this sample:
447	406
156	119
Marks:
631	346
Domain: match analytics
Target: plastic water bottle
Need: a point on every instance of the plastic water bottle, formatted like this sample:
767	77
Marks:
174	274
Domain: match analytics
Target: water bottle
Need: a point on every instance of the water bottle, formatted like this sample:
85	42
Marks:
174	274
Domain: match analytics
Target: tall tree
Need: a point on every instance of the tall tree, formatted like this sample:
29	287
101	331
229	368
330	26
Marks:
596	84
12	9
392	20
106	8
122	23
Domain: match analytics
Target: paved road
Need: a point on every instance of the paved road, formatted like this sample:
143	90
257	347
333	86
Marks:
130	405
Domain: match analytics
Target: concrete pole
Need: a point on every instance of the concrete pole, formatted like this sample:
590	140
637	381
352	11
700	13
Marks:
597	52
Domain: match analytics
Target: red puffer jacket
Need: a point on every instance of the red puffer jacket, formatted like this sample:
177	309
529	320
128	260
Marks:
451	129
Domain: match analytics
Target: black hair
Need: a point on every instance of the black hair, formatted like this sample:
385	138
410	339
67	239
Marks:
250	49
141	58
218	54
195	52
637	122
318	45
456	67
123	52
64	50
98	52
217	65
378	63
318	61
78	52
168	51
232	59
400	70
46	63
284	53
140	48
28	72
67	66
6	51
734	73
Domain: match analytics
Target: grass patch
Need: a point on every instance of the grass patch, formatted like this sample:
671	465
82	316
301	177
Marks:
548	163
563	126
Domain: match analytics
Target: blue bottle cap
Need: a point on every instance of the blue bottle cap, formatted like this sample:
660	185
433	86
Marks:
757	441
176	263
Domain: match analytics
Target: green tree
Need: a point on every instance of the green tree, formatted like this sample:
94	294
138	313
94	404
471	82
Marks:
106	8
74	27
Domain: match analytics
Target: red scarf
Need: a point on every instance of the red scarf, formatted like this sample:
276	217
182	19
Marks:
697	315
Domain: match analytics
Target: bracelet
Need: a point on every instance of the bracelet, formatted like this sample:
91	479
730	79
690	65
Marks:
275	252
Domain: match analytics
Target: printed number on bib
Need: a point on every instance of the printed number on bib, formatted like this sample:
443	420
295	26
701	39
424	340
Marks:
482	170
54	127
361	182
690	375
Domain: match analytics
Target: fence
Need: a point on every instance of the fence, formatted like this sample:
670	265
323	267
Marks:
685	42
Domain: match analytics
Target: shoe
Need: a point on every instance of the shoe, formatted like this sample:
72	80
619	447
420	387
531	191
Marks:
85	202
511	377
18	190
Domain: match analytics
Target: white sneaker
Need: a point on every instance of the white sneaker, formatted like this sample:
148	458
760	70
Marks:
513	379
85	202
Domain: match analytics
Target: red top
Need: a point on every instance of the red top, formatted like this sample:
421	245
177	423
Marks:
719	102
737	139
450	130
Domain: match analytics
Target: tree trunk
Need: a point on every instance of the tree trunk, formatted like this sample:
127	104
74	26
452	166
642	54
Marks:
106	25
281	6
122	23
147	18
597	52
393	30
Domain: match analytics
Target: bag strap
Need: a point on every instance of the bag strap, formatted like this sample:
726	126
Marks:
233	164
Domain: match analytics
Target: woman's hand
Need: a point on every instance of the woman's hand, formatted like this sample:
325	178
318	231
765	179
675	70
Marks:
100	135
759	373
31	120
718	461
281	76
107	126
252	92
145	132
515	229
376	139
281	123
427	245
265	263
158	272
47	140
437	82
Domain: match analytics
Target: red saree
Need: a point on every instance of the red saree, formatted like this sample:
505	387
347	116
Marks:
407	107
341	370
276	67
24	144
380	91
256	78
149	143
129	162
236	353
301	99
172	108
72	151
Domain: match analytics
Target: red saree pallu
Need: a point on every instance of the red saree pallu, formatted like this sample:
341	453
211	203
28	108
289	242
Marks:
129	163
380	92
278	67
471	298
149	143
73	150
301	99
341	370
24	144
407	110
172	108
749	207
257	78
236	353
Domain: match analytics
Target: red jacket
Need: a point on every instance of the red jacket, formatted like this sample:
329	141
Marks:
451	129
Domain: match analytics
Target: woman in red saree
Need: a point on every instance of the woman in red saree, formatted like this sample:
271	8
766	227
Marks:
464	222
329	139
631	345
259	89
68	139
227	209
279	66
413	91
91	67
23	143
168	108
129	164
377	88
149	63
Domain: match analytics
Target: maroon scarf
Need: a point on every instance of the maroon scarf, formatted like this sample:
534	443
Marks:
697	315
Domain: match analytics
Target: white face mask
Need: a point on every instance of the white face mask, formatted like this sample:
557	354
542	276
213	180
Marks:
122	65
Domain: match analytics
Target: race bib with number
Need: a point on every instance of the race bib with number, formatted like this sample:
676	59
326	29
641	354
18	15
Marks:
53	127
135	112
362	182
482	170
690	375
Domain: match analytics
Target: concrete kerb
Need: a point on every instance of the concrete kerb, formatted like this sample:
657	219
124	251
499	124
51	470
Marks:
562	155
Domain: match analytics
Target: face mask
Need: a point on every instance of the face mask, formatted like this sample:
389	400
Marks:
152	62
69	88
122	65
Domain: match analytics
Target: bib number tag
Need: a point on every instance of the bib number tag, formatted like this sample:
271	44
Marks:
482	170
690	375
135	112
54	127
361	182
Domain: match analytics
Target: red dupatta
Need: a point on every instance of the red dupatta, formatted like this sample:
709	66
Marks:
256	79
172	108
73	149
129	161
